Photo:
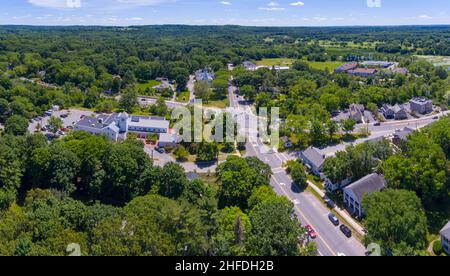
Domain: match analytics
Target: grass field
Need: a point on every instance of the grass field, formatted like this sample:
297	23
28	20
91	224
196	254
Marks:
330	65
275	62
436	60
149	84
218	104
183	97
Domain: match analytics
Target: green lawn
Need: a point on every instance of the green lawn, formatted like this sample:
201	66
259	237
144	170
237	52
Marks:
330	65
275	62
149	84
183	97
218	104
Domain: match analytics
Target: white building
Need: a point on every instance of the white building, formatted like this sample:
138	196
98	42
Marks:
116	126
445	238
354	193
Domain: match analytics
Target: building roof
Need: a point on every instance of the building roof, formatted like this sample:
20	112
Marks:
421	100
403	134
367	185
314	156
446	230
168	138
347	66
377	63
148	122
363	71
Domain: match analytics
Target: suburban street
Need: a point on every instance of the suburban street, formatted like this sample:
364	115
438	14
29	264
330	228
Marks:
385	129
309	210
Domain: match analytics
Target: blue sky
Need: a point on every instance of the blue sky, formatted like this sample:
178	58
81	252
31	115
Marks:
217	12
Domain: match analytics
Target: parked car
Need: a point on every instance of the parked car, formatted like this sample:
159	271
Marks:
333	219
311	231
435	117
161	150
347	232
377	124
64	116
329	202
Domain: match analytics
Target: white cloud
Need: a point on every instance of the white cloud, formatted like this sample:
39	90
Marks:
424	16
271	9
297	4
272	6
226	3
56	4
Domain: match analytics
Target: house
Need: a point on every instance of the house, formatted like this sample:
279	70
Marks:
354	193
250	66
346	67
445	238
313	159
421	105
397	112
333	187
357	112
205	75
363	72
163	86
401	135
116	126
105	125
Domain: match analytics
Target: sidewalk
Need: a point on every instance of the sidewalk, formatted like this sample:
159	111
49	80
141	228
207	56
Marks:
348	219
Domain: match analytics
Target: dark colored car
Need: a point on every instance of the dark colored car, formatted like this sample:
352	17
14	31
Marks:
329	202
347	232
377	124
333	219
161	150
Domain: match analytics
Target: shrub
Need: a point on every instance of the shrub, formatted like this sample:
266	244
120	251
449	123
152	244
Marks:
437	248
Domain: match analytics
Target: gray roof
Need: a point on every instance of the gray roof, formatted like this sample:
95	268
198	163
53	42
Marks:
151	122
314	156
403	133
98	122
446	230
367	185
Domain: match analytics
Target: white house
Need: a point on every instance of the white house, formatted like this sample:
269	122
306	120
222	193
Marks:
116	126
445	238
313	159
354	193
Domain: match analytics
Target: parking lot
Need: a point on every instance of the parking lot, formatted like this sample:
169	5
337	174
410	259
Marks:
74	115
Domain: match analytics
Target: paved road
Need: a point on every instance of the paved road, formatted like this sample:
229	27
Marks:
385	129
308	208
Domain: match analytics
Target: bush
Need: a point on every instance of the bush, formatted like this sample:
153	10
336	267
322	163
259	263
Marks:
437	248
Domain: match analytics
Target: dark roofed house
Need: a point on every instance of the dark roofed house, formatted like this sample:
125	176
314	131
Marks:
445	238
357	112
354	193
346	67
363	72
397	112
421	105
249	65
401	135
313	159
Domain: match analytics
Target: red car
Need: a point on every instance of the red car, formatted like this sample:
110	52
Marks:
311	231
